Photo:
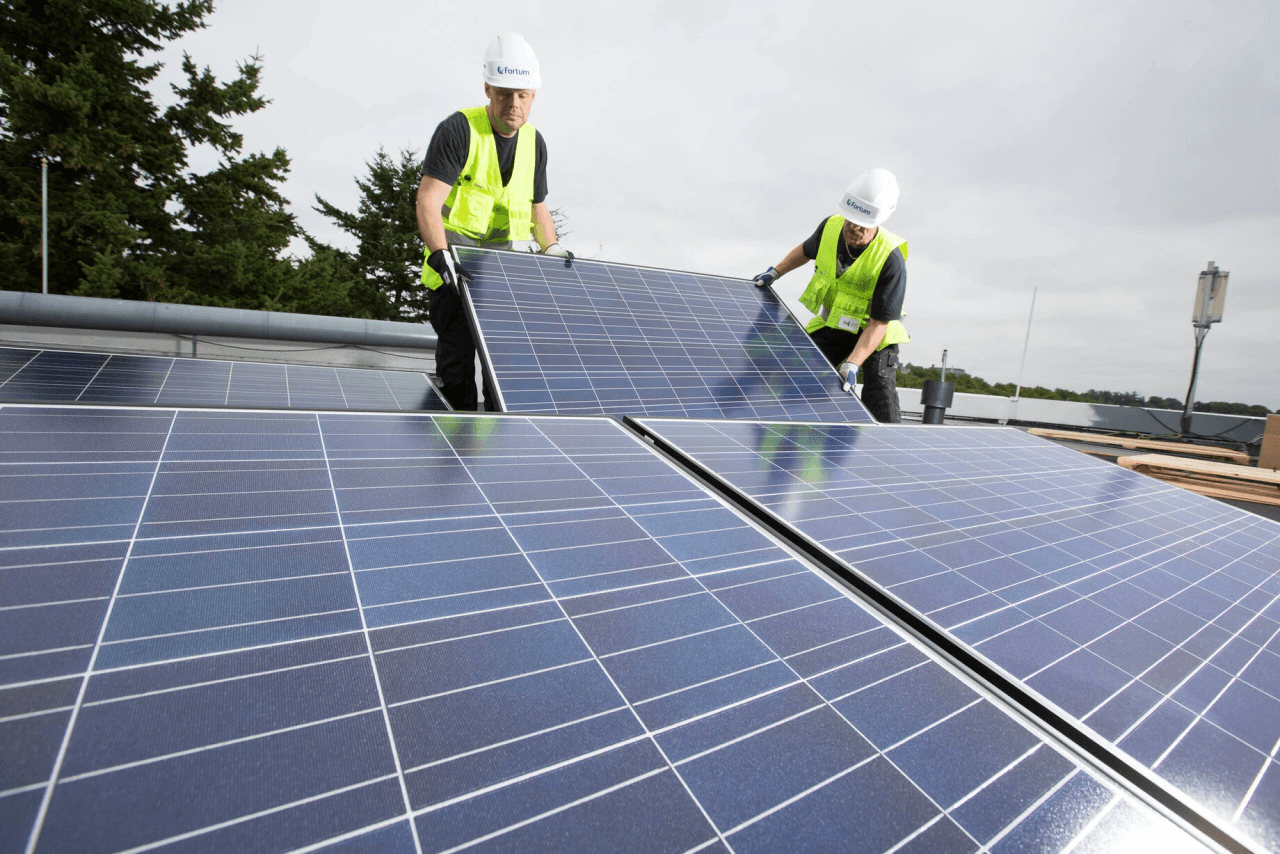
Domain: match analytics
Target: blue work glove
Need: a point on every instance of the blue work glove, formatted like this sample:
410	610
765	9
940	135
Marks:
767	278
558	251
453	273
848	376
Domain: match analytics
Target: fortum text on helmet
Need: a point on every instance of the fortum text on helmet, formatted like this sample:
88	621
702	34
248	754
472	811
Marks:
505	70
857	207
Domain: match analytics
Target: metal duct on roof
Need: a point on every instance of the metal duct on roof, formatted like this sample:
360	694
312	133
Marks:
130	316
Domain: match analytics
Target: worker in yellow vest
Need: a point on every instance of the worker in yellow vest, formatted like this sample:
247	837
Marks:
484	183
857	290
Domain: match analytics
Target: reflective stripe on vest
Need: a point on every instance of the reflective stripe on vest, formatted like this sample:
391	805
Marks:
843	302
479	207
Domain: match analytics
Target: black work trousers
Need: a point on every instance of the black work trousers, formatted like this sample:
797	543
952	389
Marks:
879	373
456	351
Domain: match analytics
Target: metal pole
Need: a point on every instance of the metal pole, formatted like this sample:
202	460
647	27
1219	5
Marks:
942	378
1026	343
44	225
1201	332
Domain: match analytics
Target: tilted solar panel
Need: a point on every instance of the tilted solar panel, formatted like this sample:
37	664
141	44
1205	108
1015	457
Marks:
593	338
1146	613
61	376
400	633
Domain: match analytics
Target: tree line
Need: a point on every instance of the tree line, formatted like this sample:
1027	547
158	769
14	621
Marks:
128	216
914	376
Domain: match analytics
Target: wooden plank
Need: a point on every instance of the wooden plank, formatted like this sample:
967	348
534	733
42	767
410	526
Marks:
1136	444
1270	456
1218	480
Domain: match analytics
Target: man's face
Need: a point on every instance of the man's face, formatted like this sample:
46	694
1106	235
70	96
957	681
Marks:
857	235
508	108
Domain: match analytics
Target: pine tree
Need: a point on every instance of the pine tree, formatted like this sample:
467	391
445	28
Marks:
388	256
126	217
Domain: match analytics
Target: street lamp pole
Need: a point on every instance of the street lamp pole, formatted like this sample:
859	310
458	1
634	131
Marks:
1211	295
44	225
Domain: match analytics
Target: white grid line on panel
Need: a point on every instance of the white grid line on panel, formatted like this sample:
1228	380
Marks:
94	377
241	819
876	752
20	370
373	664
640	721
43	810
257	736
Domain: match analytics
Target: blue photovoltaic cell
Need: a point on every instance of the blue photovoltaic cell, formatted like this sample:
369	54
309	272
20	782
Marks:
591	338
58	376
265	631
1145	611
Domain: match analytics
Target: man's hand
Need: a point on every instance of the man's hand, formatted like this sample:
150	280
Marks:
558	251
767	278
848	375
453	273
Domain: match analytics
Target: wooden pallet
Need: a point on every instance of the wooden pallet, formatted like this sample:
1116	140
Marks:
1269	458
1226	455
1217	480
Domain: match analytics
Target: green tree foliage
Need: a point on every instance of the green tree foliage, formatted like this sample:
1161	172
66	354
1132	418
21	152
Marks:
127	217
914	376
386	267
1224	408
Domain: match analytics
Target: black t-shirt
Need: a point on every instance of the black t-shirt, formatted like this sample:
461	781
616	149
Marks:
891	287
447	154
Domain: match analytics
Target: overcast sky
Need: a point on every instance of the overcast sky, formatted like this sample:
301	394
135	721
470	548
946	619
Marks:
1102	152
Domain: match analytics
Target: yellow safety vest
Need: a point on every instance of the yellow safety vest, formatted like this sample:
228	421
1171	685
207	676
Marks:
479	207
842	303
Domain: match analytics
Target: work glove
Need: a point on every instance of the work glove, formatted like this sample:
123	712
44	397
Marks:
558	251
848	375
453	273
767	278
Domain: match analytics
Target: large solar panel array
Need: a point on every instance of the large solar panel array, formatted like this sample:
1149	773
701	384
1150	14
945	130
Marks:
248	631
60	376
1147	614
592	338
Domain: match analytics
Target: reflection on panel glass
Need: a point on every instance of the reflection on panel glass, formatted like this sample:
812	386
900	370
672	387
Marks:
1147	613
57	376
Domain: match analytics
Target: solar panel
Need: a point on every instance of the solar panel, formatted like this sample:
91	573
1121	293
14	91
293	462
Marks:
58	376
591	338
1147	614
410	632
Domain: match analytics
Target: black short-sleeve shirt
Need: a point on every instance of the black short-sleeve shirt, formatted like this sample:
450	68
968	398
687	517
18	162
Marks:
447	154
891	287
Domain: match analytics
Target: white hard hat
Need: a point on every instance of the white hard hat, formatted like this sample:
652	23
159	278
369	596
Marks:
510	63
870	199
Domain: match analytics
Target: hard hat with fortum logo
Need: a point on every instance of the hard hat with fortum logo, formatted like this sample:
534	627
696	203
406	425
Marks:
870	199
510	63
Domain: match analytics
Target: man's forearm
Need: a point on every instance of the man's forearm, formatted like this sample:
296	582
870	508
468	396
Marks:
791	261
868	340
431	227
431	197
544	226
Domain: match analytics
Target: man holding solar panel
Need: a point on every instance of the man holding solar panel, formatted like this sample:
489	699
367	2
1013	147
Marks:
857	290
484	183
